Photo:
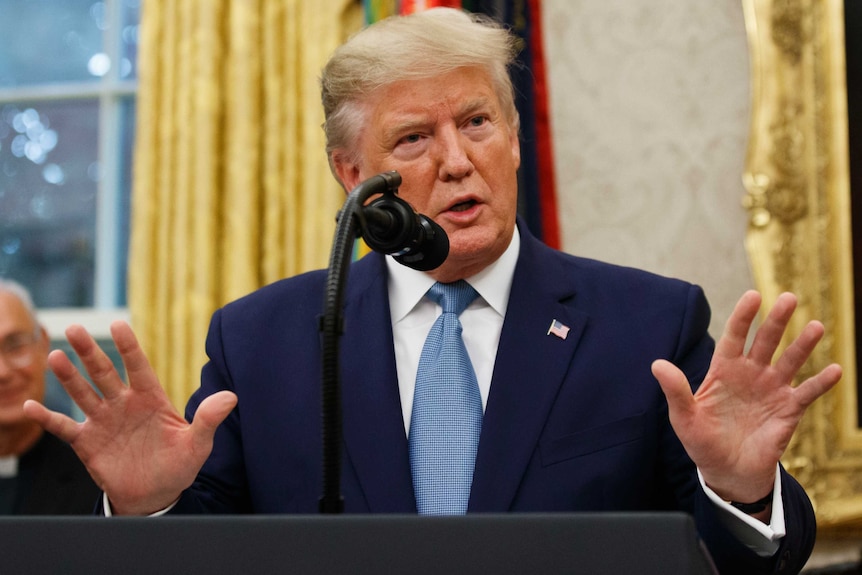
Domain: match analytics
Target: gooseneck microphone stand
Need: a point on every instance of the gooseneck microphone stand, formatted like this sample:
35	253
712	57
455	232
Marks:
350	224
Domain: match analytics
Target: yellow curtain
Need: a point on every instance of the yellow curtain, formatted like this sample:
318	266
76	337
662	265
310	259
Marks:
231	187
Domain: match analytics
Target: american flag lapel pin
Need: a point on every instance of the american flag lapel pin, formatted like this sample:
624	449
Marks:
558	329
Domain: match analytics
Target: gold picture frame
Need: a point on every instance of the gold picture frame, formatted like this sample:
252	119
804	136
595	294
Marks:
799	237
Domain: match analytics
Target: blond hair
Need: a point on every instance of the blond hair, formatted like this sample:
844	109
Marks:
421	45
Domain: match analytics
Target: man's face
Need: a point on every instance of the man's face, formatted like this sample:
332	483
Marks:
458	158
23	360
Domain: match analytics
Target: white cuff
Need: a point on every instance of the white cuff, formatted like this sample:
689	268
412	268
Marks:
106	504
761	538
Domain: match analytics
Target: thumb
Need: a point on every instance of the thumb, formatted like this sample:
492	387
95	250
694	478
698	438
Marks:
211	413
675	386
60	425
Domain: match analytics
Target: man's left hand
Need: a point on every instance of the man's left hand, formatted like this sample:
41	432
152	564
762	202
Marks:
740	421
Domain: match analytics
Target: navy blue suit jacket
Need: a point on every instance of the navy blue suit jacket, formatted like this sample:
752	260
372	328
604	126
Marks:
574	424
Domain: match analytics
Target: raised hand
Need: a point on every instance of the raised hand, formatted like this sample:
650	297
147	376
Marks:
740	421
134	443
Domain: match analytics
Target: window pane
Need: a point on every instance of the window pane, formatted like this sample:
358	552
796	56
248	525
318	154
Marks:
51	41
48	185
131	17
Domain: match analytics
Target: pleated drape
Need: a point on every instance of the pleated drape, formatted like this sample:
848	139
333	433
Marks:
231	186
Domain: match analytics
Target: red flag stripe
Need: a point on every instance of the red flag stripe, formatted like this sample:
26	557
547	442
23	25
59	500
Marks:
544	148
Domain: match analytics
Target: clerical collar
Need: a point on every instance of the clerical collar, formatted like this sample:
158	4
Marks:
9	466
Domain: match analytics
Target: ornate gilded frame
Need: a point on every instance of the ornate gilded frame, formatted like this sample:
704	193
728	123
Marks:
799	237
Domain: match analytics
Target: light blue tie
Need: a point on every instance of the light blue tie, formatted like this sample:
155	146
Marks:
447	410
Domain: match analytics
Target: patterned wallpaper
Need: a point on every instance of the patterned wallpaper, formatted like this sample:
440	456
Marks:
649	105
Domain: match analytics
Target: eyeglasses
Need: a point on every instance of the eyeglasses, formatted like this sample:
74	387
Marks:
17	349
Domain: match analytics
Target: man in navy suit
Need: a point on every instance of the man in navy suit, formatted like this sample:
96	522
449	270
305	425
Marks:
598	413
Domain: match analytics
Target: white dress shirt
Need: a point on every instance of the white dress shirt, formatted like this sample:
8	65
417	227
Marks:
482	321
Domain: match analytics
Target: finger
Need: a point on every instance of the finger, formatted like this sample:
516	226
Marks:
75	384
815	386
97	363
769	334
675	386
732	342
58	424
138	369
798	352
210	414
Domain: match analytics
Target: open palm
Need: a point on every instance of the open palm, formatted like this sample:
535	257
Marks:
741	419
134	443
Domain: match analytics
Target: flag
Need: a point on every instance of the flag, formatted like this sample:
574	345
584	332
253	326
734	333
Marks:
537	196
558	329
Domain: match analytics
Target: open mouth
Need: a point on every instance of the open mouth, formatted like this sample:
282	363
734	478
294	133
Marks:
463	206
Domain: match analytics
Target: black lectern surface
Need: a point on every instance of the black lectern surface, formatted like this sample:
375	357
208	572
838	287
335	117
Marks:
605	544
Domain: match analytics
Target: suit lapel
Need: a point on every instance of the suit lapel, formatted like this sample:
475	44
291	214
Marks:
529	369
374	437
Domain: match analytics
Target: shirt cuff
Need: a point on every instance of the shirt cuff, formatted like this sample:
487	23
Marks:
764	539
106	505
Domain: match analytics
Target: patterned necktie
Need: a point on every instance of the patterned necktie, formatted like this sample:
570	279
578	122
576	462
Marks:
447	410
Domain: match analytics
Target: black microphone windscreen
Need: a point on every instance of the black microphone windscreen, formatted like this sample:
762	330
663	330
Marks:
433	248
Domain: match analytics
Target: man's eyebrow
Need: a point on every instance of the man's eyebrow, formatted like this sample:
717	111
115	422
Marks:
405	126
473	106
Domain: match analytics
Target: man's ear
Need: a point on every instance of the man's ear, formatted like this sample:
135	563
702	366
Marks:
515	143
346	170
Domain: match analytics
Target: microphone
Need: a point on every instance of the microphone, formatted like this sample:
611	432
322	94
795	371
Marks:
393	227
389	225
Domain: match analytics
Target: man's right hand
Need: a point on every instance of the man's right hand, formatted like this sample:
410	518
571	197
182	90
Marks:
135	444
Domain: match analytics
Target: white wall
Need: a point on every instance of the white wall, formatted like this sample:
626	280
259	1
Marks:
649	105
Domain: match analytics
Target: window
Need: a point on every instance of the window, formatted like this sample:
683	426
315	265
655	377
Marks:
67	106
68	72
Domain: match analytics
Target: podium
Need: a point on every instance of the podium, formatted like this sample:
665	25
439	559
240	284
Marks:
580	543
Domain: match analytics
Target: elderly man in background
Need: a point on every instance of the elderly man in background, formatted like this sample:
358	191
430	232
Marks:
39	474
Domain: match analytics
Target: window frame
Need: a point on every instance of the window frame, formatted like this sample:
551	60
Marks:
112	93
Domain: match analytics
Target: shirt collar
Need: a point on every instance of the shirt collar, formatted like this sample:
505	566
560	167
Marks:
407	286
